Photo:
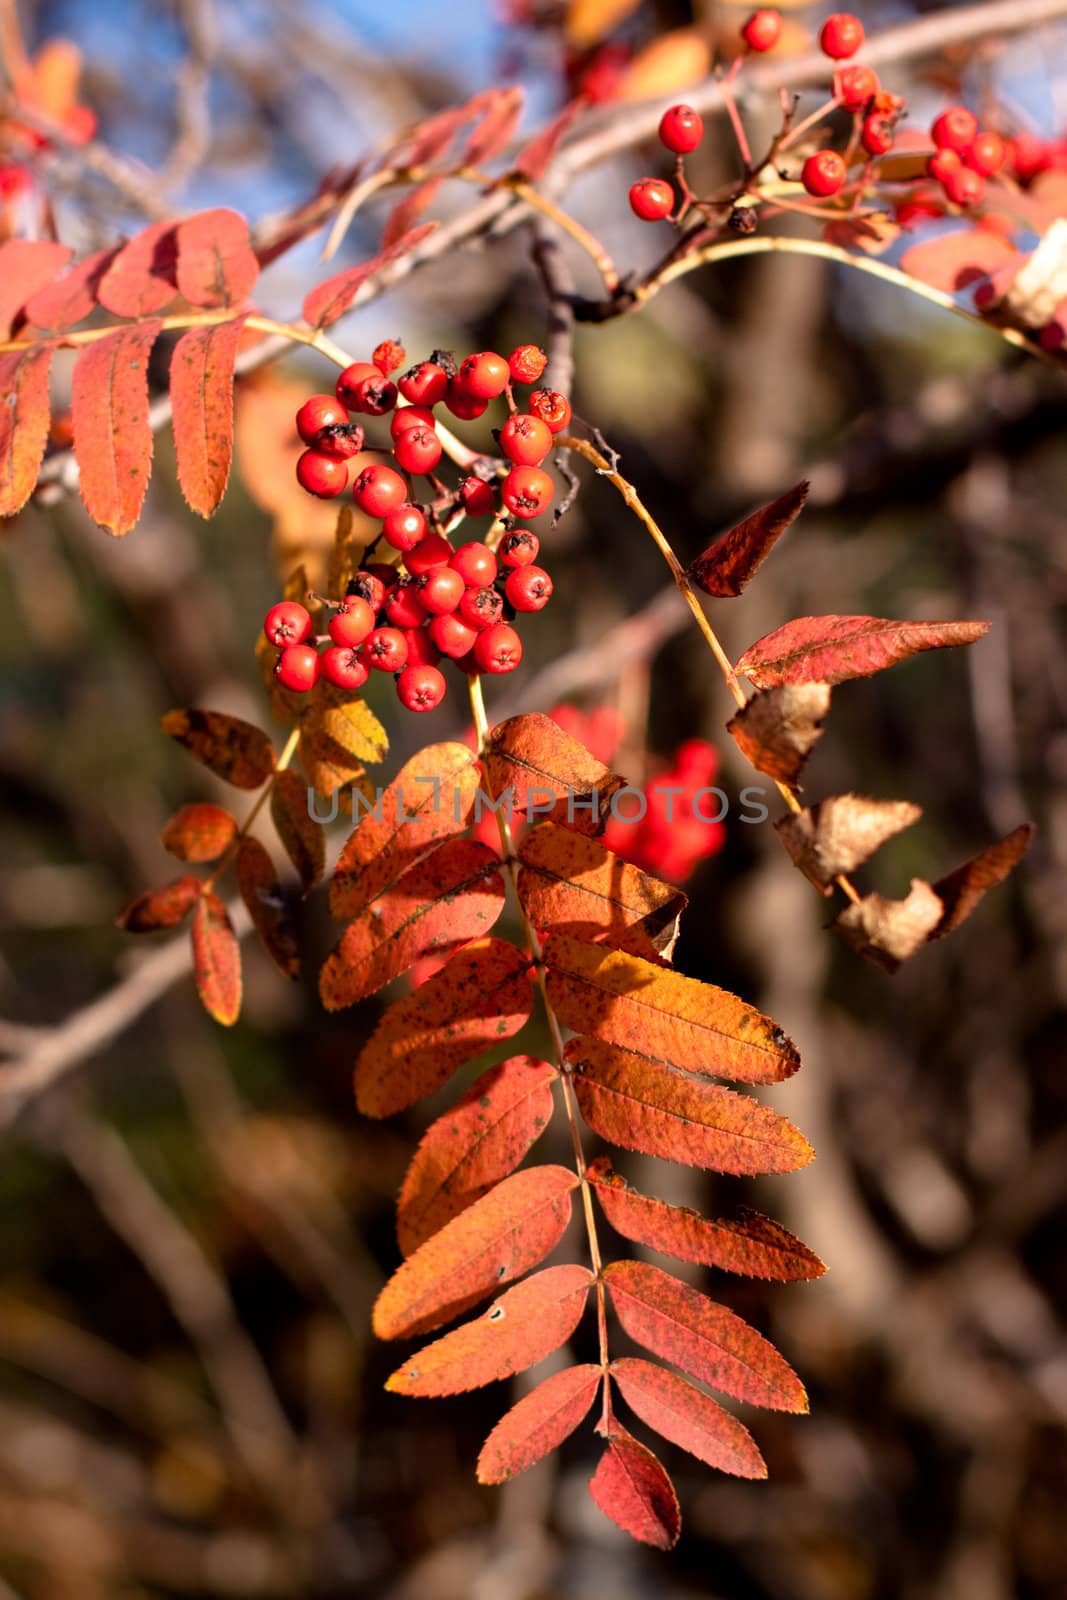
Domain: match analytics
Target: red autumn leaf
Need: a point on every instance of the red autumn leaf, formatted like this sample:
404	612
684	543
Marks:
429	800
199	832
332	299
963	888
955	261
518	1330
302	836
500	118
71	298
480	997
234	750
501	1236
161	908
112	436
142	278
747	1243
832	649
25	416
479	1141
428	139
661	1014
632	1488
201	395
727	565
532	759
539	1423
216	960
454	895
406	213
641	1105
570	882
258	885
704	1339
26	265
686	1416
532	160
216	264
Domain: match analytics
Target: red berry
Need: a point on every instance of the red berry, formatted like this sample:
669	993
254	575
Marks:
987	154
476	565
379	490
373	393
498	649
1029	155
878	135
422	652
421	688
404	607
452	636
854	86
287	623
441	590
526	363
386	649
954	129
484	375
553	408
343	666
525	439
417	450
389	355
527	491
463	404
298	667
681	129
424	384
349	382
404	527
942	162
965	186
369	586
432	551
351	622
529	588
478	497
519	548
321	411
342	443
841	35
762	30
409	417
823	173
480	608
651	199
321	475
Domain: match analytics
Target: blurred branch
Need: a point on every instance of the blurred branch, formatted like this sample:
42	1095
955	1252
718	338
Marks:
559	287
193	89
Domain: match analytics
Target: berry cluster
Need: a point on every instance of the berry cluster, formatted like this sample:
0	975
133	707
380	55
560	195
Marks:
966	155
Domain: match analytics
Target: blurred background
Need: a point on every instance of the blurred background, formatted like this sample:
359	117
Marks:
194	1222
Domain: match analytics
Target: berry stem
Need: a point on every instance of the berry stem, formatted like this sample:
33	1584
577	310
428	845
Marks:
734	115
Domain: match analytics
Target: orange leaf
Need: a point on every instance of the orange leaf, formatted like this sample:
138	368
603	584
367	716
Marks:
588	21
233	750
141	280
673	61
73	297
24	421
570	882
201	393
640	1105
479	1141
521	1328
418	146
533	760
532	160
302	836
161	908
663	1015
429	800
727	565
26	265
261	892
453	896
332	299
680	1412
199	832
708	1341
216	264
963	888
538	1423
632	1488
747	1243
498	1238
406	213
955	261
481	996
216	960
112	436
832	649
496	129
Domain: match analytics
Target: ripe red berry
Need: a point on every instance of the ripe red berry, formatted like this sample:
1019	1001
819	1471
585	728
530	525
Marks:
298	667
343	666
763	29
498	649
484	375
422	652
321	475
519	548
854	86
878	135
681	129
432	551
373	393
823	173
480	608
964	186
452	636
441	590
478	497
1029	155
476	565
553	408
841	35
526	363
525	439
527	491
404	527
987	154
424	384
287	623
389	355
942	162
463	404
417	450
370	587
651	199
379	490
404	607
349	382
319	412
421	688
409	417
954	129
529	588
351	622
386	649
